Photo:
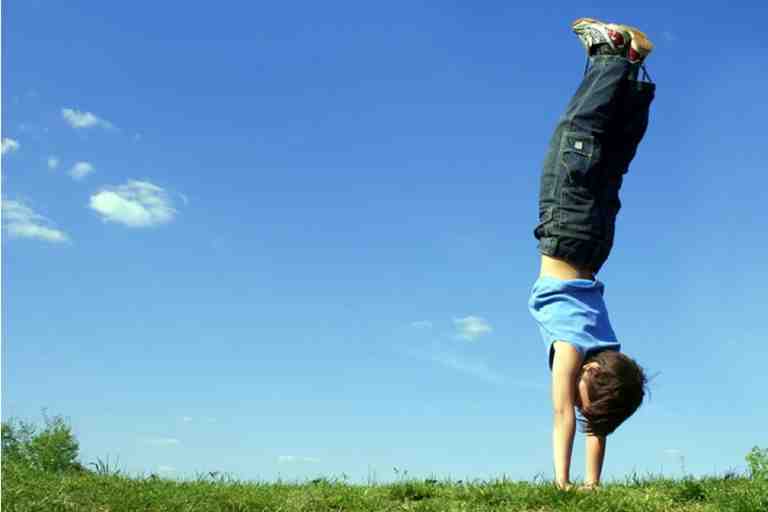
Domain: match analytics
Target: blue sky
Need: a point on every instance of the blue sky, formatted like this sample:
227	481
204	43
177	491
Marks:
295	240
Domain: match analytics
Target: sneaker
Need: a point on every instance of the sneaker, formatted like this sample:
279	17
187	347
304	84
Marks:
641	46
613	39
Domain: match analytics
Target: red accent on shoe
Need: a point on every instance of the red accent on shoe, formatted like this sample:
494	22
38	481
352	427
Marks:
633	55
617	38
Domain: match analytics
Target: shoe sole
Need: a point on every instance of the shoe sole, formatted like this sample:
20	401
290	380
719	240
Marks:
644	45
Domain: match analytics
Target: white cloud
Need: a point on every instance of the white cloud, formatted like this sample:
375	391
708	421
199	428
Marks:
53	162
421	324
471	327
166	469
135	204
20	221
164	441
9	145
186	419
77	119
287	459
80	170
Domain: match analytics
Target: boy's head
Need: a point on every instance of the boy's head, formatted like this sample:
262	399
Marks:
611	388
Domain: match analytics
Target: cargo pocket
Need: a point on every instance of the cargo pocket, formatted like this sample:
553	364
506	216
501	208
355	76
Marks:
545	219
577	155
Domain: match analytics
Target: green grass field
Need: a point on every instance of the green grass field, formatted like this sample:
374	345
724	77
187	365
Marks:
27	489
41	472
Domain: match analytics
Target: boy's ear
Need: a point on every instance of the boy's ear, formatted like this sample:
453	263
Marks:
591	367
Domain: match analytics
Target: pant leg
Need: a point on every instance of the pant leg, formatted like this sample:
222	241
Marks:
586	149
598	100
621	147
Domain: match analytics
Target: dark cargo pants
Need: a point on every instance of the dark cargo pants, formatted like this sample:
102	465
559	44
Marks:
590	151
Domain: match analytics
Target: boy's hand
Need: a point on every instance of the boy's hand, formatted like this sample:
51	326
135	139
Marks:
587	486
595	453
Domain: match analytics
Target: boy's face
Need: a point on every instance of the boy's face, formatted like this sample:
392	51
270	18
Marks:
582	395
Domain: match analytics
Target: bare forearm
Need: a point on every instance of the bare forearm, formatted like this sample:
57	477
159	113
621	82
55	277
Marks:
563	429
595	454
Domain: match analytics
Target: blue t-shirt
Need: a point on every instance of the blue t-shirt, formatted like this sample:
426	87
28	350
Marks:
572	310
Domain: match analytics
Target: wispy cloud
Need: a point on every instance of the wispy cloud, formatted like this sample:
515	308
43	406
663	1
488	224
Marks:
135	204
189	419
288	459
670	36
166	469
77	119
475	368
163	441
20	221
472	327
80	170
53	162
9	145
454	358
450	350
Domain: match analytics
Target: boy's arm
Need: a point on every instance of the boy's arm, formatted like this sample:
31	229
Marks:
565	371
595	454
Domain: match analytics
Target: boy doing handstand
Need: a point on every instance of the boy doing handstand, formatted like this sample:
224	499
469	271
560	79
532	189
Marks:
590	151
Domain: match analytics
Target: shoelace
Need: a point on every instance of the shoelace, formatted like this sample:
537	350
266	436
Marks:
646	75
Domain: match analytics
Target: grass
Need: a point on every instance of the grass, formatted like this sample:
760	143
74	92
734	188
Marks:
29	490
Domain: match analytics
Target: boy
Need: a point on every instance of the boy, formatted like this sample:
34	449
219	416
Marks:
591	149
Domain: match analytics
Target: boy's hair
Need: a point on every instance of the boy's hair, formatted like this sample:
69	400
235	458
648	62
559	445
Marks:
616	390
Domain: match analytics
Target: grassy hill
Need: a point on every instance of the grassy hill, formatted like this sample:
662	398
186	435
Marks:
41	472
27	489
